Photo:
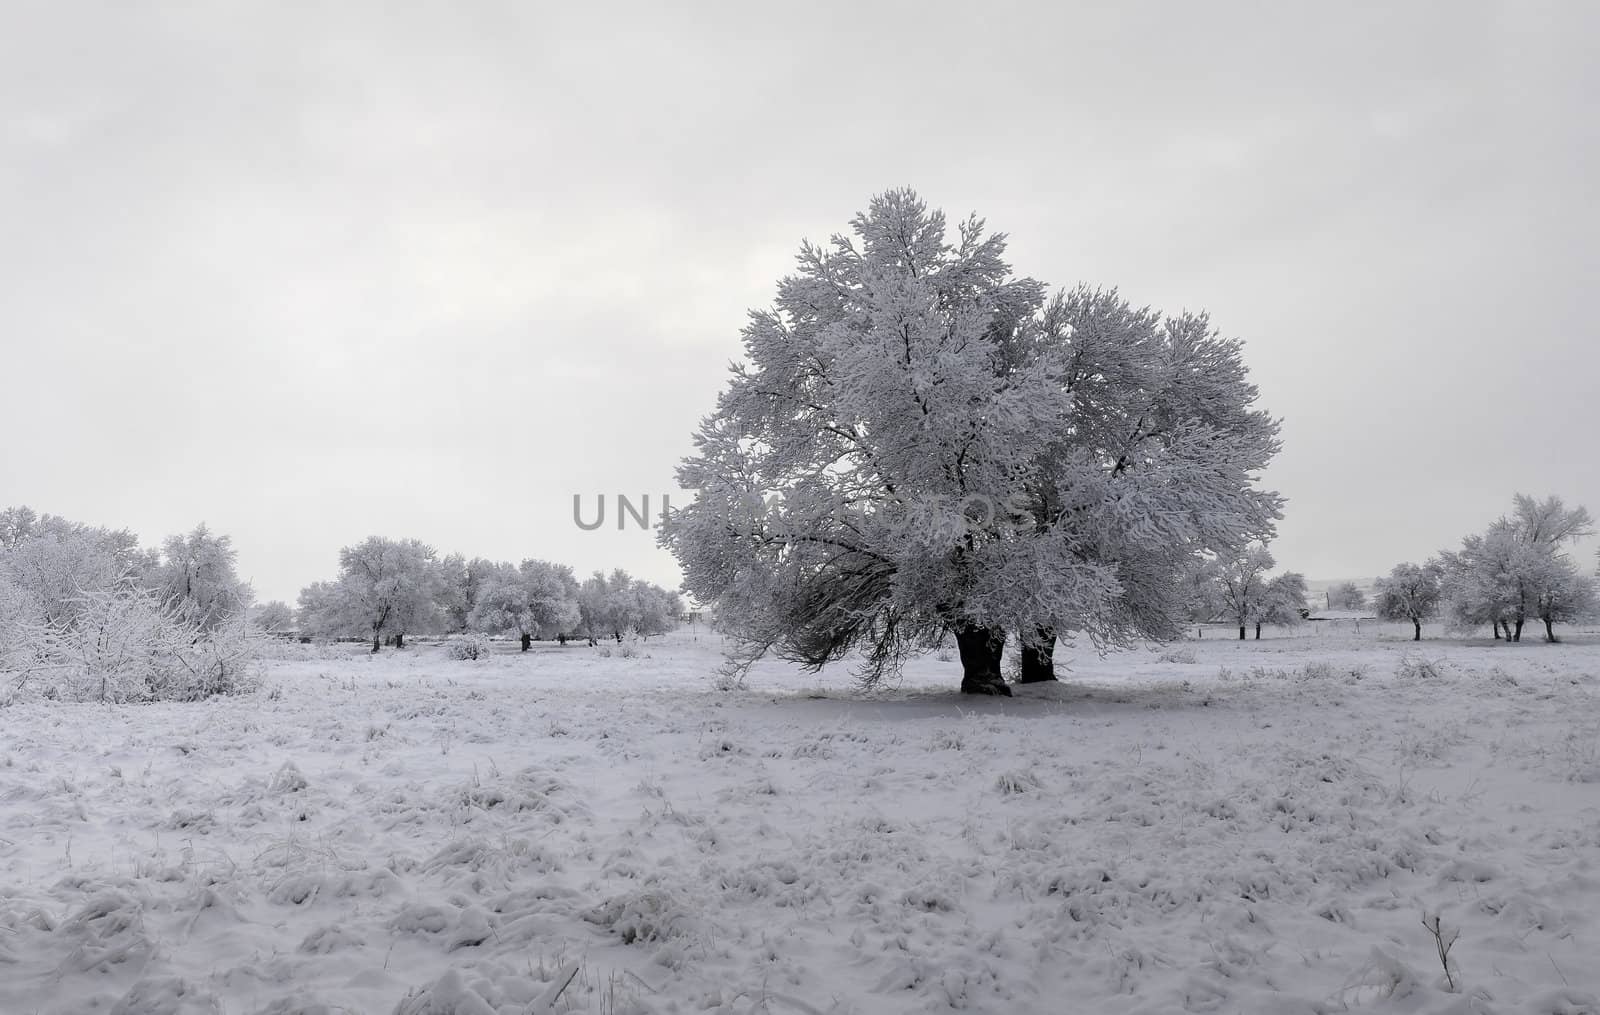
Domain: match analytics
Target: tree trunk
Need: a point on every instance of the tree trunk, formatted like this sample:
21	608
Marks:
1039	657
1516	635
1549	632
1241	632
527	641
400	640
375	643
1418	624
1258	630
980	649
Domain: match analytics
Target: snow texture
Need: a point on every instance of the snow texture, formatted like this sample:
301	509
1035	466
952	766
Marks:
1212	827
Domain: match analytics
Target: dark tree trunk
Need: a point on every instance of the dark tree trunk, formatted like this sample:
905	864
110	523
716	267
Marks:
527	642
1418	624
1258	630
1549	632
1516	635
980	649
375	644
1497	630
1241	632
619	637
1039	657
400	640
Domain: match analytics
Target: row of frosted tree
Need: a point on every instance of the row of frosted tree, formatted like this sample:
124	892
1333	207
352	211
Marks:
389	589
88	614
1517	571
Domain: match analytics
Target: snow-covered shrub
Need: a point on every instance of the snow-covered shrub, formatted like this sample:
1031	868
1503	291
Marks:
1016	781
1322	671
468	647
1419	668
1176	655
123	645
85	615
643	916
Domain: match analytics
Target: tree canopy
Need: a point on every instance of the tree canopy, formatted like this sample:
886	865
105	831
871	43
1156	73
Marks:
921	442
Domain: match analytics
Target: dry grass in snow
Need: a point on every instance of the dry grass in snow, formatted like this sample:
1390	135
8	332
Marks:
1211	827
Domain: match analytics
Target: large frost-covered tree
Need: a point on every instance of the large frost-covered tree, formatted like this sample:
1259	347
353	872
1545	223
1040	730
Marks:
1409	592
918	442
1157	404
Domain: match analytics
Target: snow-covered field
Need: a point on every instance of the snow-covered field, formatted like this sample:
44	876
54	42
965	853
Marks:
1212	826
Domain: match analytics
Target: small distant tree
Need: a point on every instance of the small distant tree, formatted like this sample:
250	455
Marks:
1201	591
659	610
16	524
1346	596
1564	595
461	583
391	585
1477	586
595	607
1410	592
326	612
274	616
537	599
1284	603
1518	569
198	577
1242	585
617	604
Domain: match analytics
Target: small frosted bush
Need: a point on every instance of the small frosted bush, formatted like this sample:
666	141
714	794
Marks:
469	647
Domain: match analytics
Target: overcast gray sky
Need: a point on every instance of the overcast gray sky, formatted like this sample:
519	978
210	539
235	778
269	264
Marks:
310	272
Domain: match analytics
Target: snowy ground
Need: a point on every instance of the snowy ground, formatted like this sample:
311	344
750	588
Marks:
1213	826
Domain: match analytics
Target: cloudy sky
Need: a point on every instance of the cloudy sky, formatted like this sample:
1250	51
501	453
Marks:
309	272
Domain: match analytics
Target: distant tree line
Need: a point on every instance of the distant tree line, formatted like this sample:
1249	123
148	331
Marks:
389	589
1516	571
